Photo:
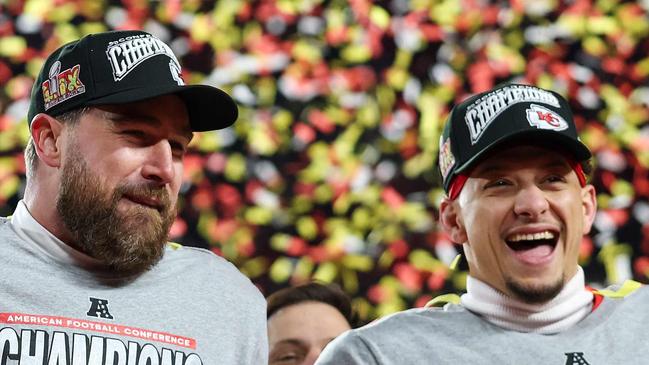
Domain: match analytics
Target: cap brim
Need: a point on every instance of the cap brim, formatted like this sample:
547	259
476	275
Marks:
539	137
208	108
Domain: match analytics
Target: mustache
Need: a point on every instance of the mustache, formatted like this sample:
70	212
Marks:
152	195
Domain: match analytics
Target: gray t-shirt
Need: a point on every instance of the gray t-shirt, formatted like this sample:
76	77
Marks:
192	308
614	333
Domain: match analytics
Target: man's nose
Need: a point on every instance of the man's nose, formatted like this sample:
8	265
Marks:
158	166
312	356
530	202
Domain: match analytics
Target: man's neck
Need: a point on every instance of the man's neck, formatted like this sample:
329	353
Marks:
41	204
570	306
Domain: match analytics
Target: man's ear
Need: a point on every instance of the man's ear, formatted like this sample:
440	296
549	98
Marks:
589	205
451	220
46	132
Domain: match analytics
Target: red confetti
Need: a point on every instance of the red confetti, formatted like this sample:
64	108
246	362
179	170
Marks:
392	198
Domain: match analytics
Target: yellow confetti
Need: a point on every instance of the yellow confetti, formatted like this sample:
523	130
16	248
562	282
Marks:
622	188
350	280
259	215
307	50
304	268
255	267
424	261
397	78
12	46
62	12
326	272
602	25
380	17
307	227
358	262
356	53
38	8
594	45
609	254
386	259
280	270
235	168
280	242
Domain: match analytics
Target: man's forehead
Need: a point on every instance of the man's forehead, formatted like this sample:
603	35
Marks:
521	156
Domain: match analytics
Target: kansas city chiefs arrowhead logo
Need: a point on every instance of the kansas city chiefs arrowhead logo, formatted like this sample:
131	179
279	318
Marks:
544	118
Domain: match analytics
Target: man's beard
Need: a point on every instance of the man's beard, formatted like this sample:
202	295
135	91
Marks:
128	242
534	294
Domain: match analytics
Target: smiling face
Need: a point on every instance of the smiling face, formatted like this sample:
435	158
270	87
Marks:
298	333
120	177
521	216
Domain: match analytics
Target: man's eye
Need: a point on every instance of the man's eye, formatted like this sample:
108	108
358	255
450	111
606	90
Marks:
555	178
134	133
178	149
497	183
288	358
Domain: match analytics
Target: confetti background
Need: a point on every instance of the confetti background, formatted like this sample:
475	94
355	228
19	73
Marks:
329	173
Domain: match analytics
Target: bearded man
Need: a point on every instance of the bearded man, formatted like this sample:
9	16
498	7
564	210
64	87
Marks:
86	273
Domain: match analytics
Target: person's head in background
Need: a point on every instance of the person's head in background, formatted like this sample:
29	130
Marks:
302	320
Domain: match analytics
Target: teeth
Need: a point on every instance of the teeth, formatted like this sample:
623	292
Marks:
546	235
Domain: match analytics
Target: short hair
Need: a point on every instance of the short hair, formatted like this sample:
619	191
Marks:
313	292
31	158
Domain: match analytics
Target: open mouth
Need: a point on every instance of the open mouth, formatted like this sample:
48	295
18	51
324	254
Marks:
533	247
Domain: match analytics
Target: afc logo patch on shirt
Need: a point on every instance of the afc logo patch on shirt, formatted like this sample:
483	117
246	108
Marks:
544	118
99	308
576	358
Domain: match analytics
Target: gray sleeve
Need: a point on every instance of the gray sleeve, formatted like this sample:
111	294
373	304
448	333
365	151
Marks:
348	349
254	342
259	343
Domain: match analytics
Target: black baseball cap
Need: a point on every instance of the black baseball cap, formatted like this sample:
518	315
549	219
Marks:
508	112
119	67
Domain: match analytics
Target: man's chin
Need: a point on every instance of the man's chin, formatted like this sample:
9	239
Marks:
534	292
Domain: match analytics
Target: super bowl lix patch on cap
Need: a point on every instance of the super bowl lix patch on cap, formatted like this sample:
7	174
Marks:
446	158
61	85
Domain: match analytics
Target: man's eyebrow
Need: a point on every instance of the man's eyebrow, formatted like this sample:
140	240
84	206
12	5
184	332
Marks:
486	167
291	341
326	341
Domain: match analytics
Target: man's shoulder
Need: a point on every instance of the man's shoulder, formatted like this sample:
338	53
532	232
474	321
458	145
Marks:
6	231
191	259
178	252
429	320
416	331
4	223
205	269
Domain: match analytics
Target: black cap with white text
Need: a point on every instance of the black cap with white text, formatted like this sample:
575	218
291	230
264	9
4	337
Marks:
120	67
511	111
